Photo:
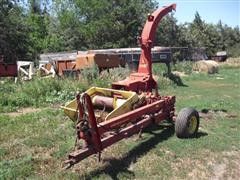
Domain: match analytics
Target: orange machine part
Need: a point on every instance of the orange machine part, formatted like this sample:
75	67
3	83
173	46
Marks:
103	61
63	65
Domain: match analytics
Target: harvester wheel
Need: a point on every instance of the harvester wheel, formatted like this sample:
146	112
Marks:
187	123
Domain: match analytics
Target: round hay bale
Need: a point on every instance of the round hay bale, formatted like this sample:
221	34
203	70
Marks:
208	66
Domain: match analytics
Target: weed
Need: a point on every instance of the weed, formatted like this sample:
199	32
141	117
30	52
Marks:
231	63
40	92
3	152
19	168
165	83
159	69
89	74
37	143
184	66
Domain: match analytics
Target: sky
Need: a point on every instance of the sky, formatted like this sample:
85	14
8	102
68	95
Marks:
211	11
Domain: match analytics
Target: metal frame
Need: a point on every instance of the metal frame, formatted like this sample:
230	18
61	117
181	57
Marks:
143	79
8	69
97	136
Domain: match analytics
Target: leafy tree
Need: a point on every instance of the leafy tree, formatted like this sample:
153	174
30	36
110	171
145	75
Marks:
38	21
58	25
200	34
102	24
231	40
168	32
13	37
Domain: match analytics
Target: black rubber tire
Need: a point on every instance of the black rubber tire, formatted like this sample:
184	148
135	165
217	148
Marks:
182	123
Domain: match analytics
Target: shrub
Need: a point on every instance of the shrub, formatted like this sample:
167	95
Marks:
184	66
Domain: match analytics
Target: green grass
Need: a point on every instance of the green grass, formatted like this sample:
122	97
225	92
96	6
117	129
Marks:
40	92
37	93
34	145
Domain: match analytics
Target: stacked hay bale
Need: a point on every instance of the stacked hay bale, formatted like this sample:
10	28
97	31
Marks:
208	66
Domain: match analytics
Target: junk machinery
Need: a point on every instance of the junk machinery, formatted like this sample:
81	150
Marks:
105	116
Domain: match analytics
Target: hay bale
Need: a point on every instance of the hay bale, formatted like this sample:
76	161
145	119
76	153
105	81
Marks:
208	66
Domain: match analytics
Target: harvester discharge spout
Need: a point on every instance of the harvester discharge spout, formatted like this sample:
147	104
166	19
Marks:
143	81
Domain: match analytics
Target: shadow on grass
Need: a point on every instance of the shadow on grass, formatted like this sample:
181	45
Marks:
176	79
201	134
205	110
117	166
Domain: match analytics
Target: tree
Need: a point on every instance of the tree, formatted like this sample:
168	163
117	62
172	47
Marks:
50	26
38	21
102	24
202	35
13	37
168	32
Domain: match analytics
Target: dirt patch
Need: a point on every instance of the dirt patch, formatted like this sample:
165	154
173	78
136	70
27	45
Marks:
218	171
226	167
188	168
23	111
212	165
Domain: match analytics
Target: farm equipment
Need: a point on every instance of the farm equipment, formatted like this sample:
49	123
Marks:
18	69
8	69
131	56
105	116
102	61
25	70
71	64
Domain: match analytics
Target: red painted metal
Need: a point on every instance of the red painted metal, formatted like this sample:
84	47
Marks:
8	69
109	132
147	38
155	109
85	108
143	79
131	116
93	124
81	154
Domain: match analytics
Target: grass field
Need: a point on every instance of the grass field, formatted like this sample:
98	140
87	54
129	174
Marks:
35	141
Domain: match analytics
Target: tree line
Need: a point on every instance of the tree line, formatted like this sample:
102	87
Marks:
31	27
